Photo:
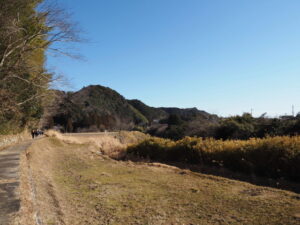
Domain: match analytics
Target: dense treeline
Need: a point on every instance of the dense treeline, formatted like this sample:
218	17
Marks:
235	127
246	126
273	157
28	28
22	76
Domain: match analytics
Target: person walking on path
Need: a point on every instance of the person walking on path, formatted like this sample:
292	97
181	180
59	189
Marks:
33	133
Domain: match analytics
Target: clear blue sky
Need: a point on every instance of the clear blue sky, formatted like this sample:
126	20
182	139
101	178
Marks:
224	57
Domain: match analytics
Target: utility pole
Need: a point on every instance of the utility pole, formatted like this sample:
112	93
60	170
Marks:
251	112
293	111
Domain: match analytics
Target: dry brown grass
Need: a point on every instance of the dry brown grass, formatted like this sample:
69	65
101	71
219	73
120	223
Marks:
270	157
27	212
112	144
75	185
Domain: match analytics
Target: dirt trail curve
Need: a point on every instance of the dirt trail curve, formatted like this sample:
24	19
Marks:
9	180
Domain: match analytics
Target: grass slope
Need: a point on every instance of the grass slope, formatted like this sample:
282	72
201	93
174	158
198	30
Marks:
89	188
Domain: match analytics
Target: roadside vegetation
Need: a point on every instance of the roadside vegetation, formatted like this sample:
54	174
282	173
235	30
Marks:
77	184
270	157
112	144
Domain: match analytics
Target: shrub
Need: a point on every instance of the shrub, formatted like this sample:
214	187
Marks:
274	157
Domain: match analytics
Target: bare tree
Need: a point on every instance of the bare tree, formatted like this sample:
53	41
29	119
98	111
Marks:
19	42
26	34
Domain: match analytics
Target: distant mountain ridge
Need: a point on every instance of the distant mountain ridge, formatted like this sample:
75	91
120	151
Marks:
98	108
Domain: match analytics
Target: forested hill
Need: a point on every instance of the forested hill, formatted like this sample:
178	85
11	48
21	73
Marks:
98	108
150	113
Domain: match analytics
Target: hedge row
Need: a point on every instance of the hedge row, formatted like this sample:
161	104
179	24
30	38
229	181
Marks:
274	157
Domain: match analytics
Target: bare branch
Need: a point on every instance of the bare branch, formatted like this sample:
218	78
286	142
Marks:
31	98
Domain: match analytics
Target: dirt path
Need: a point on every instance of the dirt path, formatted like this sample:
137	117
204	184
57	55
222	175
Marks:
9	181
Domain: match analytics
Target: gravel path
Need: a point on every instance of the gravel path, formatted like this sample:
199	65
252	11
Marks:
9	180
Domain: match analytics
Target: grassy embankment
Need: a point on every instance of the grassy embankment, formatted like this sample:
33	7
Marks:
77	184
272	157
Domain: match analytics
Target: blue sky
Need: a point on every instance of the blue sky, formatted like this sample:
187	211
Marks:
224	57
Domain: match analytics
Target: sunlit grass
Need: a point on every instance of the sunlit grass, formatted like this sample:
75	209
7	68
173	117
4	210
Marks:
125	193
275	157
